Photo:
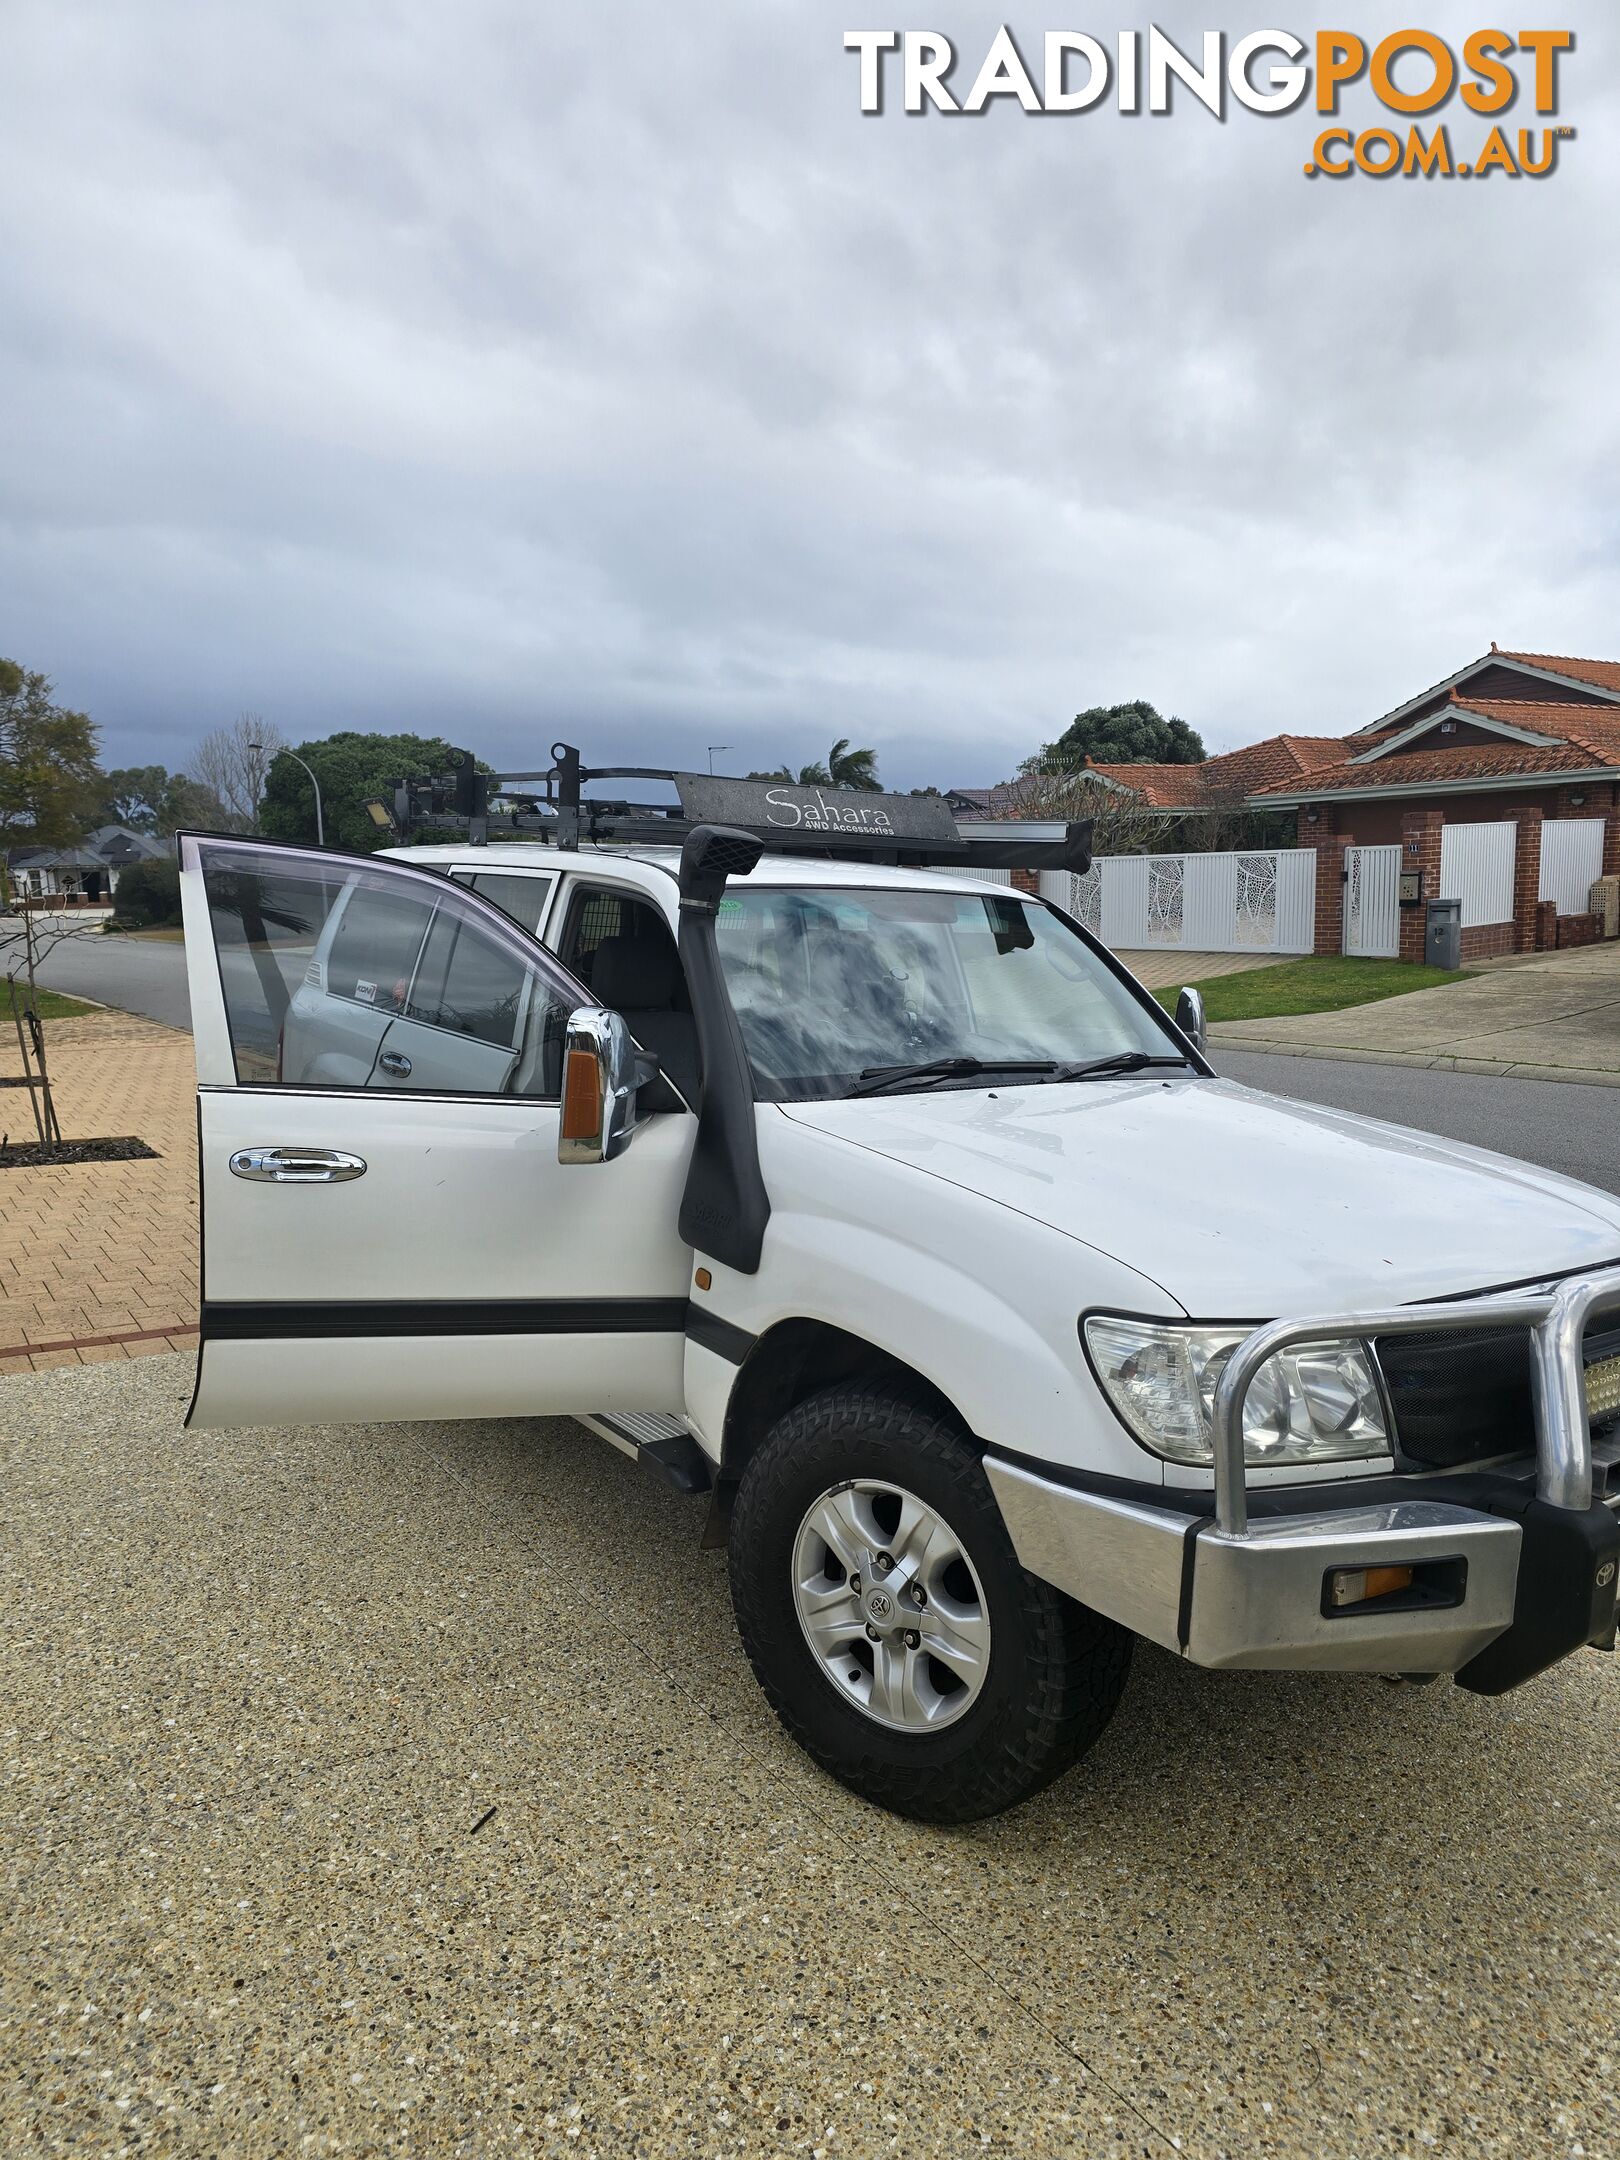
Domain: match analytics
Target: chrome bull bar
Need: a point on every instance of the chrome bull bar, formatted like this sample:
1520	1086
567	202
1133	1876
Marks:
1557	1317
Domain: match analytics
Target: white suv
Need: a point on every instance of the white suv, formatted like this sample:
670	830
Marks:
885	1207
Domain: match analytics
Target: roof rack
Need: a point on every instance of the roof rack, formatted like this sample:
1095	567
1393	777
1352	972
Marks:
846	823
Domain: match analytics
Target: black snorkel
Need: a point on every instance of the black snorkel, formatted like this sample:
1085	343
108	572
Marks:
724	1208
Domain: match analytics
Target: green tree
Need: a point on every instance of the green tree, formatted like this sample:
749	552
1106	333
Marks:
48	774
147	893
150	799
1135	733
844	767
350	767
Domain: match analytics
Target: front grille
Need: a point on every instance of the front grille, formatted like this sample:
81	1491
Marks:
1463	1395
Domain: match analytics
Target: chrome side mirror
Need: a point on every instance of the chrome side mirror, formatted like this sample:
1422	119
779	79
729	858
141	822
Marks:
1190	1018
600	1078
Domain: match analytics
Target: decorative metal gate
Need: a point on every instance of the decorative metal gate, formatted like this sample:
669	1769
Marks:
1260	901
1372	902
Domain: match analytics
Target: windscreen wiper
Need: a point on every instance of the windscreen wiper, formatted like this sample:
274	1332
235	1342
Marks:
1105	1068
876	1077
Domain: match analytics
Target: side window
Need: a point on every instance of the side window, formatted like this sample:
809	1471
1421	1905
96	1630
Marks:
466	984
599	917
372	951
339	976
518	893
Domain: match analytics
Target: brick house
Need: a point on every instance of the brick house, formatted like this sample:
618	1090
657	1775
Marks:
1499	786
1226	782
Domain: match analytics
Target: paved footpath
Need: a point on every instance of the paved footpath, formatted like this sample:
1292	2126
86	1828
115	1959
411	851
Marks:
1553	1016
100	1261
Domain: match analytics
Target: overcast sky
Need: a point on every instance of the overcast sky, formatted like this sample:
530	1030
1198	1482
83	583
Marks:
520	371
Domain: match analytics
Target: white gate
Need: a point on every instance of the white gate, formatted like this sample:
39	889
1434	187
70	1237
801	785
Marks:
1476	867
1372	902
1260	900
1571	862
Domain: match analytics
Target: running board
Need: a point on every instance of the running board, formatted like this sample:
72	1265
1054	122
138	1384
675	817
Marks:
663	1443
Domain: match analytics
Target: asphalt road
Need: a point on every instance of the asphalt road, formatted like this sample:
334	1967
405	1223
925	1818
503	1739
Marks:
1569	1128
1564	1127
137	974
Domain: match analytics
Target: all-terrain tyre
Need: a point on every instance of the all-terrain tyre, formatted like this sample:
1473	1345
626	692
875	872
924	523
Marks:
863	1486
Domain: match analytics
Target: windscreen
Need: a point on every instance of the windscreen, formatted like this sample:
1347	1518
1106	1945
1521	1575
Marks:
830	985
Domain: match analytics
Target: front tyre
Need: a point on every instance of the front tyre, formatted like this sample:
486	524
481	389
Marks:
888	1620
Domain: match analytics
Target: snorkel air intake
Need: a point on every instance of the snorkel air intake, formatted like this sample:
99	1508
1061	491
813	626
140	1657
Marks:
724	1208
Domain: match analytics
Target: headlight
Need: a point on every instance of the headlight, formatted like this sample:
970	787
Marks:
1318	1402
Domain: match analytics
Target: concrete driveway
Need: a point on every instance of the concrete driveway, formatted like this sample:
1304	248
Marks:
405	1790
1556	1015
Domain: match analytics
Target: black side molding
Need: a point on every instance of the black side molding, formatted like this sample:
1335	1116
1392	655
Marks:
500	1316
723	1337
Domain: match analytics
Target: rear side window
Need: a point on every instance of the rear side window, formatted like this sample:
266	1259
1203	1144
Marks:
515	892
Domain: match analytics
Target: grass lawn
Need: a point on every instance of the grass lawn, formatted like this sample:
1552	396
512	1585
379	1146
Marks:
1311	986
52	1006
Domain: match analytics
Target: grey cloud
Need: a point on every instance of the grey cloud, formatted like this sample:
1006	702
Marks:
523	368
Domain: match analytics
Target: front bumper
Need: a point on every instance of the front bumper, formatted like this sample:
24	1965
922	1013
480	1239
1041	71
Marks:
1510	1574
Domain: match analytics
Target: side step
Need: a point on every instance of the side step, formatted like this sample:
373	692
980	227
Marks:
663	1443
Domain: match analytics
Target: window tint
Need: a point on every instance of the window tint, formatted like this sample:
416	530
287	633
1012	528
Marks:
519	894
466	983
338	976
372	951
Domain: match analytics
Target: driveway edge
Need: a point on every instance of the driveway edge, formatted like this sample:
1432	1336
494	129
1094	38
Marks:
1439	1061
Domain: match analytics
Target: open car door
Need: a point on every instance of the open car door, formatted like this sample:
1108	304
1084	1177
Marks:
387	1231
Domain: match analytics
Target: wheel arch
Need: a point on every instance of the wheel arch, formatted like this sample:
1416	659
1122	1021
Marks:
795	1359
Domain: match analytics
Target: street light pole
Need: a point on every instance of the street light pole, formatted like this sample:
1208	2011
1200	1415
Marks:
713	747
320	827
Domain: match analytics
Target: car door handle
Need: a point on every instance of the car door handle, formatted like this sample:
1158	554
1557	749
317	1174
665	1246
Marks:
396	1062
296	1165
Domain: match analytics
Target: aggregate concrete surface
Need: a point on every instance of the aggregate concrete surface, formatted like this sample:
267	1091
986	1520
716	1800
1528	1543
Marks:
404	1789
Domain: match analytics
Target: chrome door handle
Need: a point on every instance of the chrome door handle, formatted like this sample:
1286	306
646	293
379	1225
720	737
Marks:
396	1062
296	1165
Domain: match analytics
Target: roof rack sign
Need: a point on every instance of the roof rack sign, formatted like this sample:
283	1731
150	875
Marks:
782	808
552	807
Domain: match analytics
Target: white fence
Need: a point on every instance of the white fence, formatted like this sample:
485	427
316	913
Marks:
1476	867
1372	902
1258	900
1571	861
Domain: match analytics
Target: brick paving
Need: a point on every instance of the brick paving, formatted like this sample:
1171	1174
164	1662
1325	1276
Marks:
98	1261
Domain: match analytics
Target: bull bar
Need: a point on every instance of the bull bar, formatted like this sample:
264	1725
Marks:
1523	1576
1557	1316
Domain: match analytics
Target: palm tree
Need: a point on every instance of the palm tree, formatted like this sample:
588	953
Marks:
853	768
845	768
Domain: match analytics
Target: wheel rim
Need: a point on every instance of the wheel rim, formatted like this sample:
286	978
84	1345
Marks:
891	1605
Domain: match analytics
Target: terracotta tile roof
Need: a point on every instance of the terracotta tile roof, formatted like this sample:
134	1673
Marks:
1458	761
1604	673
1226	780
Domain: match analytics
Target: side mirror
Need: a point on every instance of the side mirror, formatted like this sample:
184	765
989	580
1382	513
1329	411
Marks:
600	1077
1190	1018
